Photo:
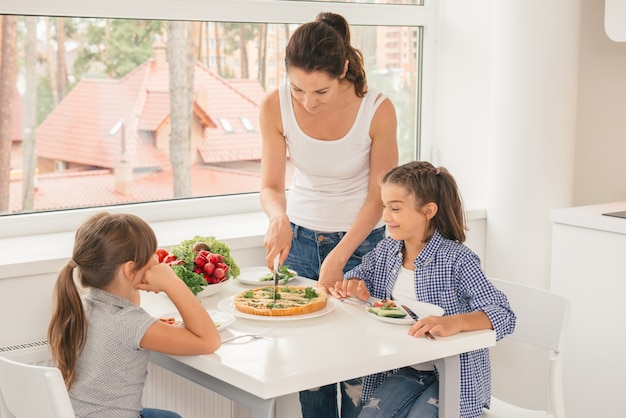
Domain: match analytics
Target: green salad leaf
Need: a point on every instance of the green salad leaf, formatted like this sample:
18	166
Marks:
283	274
193	281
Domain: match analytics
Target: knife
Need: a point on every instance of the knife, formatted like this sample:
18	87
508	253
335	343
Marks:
276	275
416	318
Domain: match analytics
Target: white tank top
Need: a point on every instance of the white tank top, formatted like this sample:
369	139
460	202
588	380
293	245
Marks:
331	178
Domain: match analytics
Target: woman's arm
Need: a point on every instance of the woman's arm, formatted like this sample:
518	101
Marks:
383	157
273	165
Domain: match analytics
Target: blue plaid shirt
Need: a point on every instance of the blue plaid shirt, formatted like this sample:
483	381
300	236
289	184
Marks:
447	274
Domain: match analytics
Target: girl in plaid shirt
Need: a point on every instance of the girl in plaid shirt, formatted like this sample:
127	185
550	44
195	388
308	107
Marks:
424	259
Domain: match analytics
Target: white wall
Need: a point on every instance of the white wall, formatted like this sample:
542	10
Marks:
600	163
507	94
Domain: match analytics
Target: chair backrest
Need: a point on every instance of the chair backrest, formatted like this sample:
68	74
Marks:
542	319
541	314
28	391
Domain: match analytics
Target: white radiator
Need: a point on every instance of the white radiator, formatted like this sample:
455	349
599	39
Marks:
163	388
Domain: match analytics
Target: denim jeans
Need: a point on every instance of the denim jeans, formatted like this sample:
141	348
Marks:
157	413
308	251
322	402
409	393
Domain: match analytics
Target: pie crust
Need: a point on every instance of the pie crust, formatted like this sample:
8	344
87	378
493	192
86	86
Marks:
290	300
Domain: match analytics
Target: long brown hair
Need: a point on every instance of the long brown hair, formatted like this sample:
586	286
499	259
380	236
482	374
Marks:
103	243
324	45
429	184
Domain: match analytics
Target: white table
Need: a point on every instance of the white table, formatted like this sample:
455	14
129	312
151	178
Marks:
342	344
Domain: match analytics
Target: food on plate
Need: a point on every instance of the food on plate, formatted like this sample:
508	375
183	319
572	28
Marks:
290	300
387	308
284	274
200	262
172	321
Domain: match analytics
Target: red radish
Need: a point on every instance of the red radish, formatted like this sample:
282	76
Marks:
219	273
200	261
209	268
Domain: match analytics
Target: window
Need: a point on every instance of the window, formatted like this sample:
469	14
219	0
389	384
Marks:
103	70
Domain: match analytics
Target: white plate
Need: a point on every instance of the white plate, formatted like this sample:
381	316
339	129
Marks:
421	309
221	319
252	275
227	305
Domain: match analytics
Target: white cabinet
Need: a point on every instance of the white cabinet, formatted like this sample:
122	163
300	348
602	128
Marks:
589	267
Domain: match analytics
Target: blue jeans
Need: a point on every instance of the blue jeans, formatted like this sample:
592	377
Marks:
308	250
409	393
157	413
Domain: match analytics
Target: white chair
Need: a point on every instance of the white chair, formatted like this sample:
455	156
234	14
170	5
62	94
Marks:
542	318
28	391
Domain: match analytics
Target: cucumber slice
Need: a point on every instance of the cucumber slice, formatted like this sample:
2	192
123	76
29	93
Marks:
390	313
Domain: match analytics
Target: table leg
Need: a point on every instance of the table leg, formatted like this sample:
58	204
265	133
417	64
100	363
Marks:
259	408
449	369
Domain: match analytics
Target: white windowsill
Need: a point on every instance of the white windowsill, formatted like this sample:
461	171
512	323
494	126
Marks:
33	253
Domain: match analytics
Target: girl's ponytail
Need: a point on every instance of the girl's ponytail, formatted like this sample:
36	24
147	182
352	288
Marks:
67	331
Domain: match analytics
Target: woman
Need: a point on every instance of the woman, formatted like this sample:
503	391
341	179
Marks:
340	135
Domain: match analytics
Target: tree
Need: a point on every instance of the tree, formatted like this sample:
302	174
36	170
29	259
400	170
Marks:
50	60
30	114
262	49
237	36
181	99
8	74
61	66
130	44
218	49
243	52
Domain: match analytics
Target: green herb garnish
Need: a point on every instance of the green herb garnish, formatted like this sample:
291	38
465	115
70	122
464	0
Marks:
283	274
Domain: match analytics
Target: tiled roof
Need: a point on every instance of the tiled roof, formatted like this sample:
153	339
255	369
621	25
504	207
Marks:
97	187
78	128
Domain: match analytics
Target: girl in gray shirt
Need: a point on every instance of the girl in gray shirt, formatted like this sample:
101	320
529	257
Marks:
101	341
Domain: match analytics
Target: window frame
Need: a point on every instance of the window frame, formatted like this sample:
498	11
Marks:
254	11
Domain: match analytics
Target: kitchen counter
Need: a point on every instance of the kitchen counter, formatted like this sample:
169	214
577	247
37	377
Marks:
588	252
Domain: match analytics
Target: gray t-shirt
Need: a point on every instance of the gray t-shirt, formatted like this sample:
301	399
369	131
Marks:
112	368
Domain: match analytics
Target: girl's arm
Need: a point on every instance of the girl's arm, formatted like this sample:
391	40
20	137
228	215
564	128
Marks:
489	307
273	165
383	157
450	325
198	336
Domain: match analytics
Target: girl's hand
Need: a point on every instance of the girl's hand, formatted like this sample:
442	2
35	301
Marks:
450	325
157	278
437	325
350	287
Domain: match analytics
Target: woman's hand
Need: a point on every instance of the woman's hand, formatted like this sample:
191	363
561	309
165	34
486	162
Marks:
277	241
331	270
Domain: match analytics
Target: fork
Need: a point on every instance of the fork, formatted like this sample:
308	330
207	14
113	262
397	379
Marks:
258	335
357	300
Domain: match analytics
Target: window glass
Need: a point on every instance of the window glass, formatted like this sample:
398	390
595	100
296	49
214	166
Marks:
94	112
